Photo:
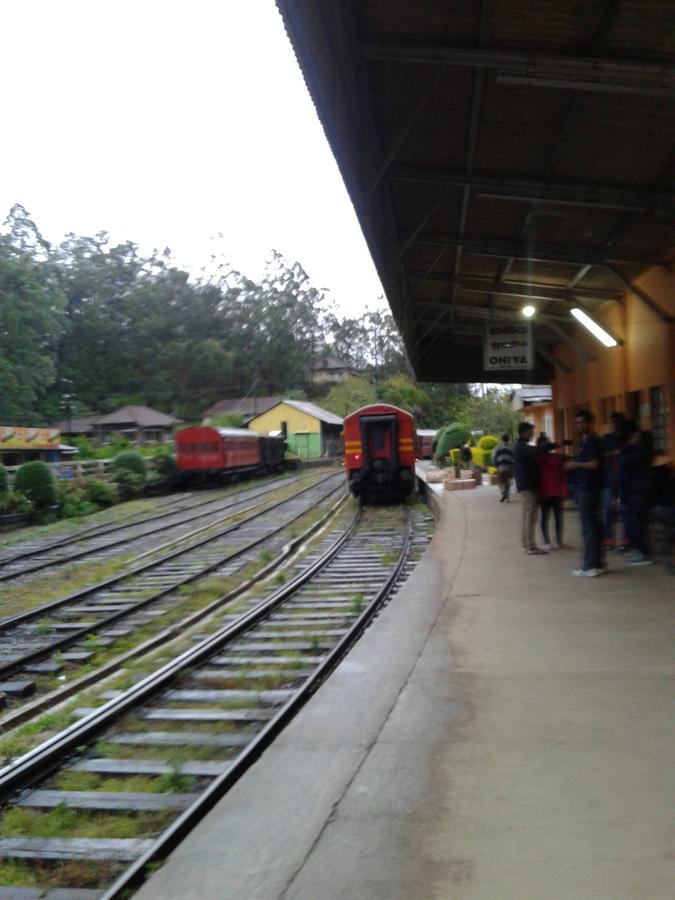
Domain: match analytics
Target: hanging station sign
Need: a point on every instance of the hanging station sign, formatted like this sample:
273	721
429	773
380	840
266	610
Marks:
508	345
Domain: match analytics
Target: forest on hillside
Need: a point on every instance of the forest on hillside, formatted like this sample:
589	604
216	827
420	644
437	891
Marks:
98	325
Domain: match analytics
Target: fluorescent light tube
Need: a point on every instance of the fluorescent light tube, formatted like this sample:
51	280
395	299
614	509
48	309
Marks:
596	330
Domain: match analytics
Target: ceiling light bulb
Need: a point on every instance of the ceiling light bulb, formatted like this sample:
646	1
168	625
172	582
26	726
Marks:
528	311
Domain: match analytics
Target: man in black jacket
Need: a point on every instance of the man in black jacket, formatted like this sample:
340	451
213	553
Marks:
527	482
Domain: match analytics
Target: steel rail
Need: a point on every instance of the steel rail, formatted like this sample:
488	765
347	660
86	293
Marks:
39	762
177	831
81	633
48	701
48	564
102	528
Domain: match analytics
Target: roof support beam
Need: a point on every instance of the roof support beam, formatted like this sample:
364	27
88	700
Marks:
573	72
471	140
512	188
526	290
633	288
483	313
579	277
554	360
581	351
578	256
405	131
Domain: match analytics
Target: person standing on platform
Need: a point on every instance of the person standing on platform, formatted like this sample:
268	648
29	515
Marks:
552	492
589	478
636	486
502	460
612	443
527	483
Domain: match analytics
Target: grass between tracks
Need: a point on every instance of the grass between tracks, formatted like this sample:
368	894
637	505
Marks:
194	597
71	577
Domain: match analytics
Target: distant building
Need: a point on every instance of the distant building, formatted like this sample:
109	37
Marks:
536	403
139	424
19	445
311	432
246	407
331	369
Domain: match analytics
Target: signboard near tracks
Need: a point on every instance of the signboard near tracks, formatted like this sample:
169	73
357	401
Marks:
508	345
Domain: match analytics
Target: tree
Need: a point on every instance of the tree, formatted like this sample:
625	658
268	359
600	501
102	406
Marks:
348	395
400	391
31	322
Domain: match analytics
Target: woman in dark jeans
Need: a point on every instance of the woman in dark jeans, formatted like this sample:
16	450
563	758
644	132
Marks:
552	492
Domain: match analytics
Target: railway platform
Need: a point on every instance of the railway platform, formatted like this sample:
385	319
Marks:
501	731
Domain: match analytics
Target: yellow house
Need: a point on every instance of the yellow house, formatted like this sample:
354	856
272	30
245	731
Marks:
311	432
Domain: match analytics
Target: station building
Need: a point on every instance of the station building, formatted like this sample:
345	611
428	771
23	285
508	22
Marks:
311	432
19	445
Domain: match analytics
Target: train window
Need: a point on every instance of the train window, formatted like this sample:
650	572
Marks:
377	437
214	447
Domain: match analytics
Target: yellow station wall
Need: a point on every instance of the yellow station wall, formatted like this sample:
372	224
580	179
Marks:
646	359
295	420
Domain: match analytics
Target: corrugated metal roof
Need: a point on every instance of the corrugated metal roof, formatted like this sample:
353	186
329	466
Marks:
315	411
493	150
243	406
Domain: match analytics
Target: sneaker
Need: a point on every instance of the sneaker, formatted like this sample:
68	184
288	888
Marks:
502	499
536	551
639	559
587	573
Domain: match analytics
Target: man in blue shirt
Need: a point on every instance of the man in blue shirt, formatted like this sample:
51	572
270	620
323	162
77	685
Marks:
589	479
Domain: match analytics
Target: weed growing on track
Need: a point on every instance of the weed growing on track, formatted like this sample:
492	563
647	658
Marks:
22	597
64	822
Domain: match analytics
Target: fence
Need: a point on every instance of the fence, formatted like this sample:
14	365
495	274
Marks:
82	468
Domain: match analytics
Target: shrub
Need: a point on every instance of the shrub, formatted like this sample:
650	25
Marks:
488	442
165	465
129	461
101	493
477	457
130	482
4	481
35	480
14	503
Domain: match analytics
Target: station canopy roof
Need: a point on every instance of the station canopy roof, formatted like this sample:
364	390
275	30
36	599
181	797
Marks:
497	152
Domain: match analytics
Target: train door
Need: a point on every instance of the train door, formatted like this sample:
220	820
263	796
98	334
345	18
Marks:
379	441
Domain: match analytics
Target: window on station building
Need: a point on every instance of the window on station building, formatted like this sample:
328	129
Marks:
658	402
633	406
606	407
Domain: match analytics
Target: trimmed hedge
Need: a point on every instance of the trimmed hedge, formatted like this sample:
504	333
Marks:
488	442
35	481
450	437
4	481
129	461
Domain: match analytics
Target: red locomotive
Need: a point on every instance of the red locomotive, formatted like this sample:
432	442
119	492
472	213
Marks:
213	451
380	452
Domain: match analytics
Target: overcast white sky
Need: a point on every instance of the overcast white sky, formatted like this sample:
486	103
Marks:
167	123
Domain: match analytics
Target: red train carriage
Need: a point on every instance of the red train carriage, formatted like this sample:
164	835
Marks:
210	451
380	452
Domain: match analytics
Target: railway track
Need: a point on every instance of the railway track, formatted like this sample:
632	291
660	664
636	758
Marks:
58	637
97	542
99	804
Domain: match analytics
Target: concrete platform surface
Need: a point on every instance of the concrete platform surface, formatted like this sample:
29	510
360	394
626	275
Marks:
502	731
